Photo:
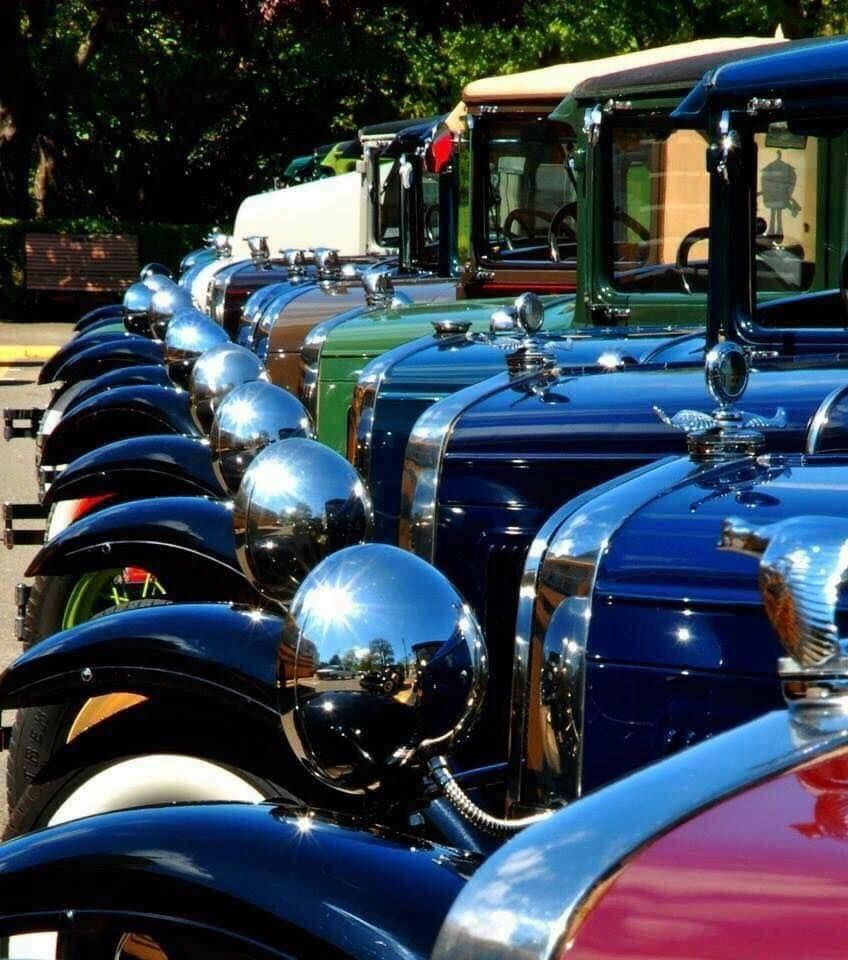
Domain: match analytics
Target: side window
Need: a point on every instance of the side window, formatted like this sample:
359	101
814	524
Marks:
787	193
388	225
430	192
660	210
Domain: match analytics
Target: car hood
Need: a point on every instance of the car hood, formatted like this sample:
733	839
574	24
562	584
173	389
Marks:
613	415
378	331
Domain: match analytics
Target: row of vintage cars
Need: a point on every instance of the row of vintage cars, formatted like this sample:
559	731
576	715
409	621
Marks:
389	607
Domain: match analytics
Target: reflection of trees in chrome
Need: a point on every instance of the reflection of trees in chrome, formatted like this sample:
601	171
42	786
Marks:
380	653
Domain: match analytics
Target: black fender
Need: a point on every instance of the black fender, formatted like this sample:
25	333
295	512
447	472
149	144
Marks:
210	650
139	468
111	415
264	873
104	325
111	312
187	542
154	374
50	371
94	356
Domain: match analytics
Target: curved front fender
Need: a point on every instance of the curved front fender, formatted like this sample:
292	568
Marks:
303	886
200	649
104	325
147	374
91	359
111	415
76	345
112	311
140	467
185	541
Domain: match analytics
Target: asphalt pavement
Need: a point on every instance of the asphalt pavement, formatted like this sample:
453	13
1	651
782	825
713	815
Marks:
22	348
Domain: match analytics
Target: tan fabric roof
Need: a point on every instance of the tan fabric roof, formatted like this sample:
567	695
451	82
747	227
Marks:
558	81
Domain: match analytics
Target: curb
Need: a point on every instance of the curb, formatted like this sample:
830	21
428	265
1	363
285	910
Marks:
25	353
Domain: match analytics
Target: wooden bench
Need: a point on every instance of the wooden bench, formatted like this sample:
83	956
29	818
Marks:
60	263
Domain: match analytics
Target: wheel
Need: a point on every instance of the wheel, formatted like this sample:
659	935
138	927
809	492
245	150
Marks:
160	752
58	603
147	757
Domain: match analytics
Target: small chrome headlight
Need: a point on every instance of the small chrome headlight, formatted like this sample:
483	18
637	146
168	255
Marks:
154	270
158	281
382	665
299	501
190	333
247	420
136	304
530	311
163	305
215	373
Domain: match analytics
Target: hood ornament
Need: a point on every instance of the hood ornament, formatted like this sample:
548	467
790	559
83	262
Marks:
380	293
525	316
803	566
726	432
259	252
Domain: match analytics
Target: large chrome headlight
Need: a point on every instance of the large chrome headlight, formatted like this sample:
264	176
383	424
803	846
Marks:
247	420
299	501
163	305
136	304
215	373
190	333
382	665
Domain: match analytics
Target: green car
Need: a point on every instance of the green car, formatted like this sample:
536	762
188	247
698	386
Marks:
527	178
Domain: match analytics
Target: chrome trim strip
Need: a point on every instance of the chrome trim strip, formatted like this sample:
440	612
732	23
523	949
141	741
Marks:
527	898
366	394
425	452
820	418
552	632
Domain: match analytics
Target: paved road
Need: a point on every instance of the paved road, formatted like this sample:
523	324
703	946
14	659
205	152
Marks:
17	482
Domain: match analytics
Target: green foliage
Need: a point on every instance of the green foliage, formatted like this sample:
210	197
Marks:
155	110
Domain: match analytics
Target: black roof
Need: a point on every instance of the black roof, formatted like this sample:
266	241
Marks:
390	128
661	77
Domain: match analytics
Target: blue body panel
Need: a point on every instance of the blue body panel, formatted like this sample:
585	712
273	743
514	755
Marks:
421	378
679	646
111	311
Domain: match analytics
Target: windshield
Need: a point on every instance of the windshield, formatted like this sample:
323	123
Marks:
529	193
660	210
386	203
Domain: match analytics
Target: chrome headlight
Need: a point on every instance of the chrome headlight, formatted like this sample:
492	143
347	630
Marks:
154	270
136	304
382	665
215	373
163	305
299	501
247	420
158	281
190	333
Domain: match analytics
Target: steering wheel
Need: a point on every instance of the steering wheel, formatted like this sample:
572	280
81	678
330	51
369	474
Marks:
565	217
525	217
431	213
681	260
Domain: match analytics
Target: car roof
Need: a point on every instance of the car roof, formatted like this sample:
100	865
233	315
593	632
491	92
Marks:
554	83
385	132
803	75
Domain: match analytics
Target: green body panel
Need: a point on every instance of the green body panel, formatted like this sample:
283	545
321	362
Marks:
352	344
